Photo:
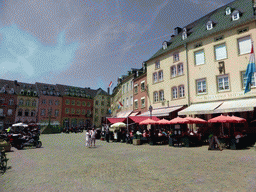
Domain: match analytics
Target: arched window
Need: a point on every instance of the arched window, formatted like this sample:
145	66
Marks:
209	25
235	15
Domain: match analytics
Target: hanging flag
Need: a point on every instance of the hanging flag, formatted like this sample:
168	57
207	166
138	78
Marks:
250	71
110	84
121	104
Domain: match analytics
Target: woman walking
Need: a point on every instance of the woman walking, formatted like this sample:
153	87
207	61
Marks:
87	138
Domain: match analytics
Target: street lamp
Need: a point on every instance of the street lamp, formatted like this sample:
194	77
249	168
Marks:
150	110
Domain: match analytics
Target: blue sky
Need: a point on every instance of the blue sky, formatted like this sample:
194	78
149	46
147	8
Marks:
87	43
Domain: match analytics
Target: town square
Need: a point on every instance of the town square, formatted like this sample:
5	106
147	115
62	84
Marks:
65	164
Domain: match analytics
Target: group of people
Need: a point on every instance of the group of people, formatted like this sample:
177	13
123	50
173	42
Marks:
90	137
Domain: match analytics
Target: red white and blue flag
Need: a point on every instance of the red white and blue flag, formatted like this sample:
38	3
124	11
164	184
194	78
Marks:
250	71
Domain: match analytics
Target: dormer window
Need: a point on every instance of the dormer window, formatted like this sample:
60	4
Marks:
209	25
228	11
51	93
164	45
235	15
2	90
184	35
137	73
184	29
35	93
28	93
12	91
22	92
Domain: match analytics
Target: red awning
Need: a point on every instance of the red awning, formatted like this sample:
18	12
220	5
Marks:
138	119
116	120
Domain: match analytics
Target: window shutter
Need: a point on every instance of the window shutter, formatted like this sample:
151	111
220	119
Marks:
220	52
245	45
199	57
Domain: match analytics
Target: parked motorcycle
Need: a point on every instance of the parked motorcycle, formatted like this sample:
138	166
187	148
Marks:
20	141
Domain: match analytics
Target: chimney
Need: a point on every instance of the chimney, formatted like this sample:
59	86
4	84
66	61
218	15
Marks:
108	90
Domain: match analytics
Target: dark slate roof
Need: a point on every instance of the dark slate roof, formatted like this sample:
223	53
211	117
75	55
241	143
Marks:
26	87
197	29
6	86
101	92
48	88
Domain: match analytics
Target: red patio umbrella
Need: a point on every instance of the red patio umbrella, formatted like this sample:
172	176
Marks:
163	122
148	122
179	120
195	120
222	119
238	119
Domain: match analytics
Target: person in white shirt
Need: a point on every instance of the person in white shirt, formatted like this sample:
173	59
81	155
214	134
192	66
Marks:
87	138
93	136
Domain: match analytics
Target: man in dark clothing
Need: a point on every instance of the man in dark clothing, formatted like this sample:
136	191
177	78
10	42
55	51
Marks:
107	133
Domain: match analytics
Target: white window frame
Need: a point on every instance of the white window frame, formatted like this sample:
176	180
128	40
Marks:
127	101
176	57
179	67
136	103
9	112
160	75
161	95
235	15
181	91
209	25
155	77
155	96
228	11
136	88
199	61
157	64
142	99
201	91
220	52
173	71
164	45
246	42
244	78
223	83
141	87
184	35
174	93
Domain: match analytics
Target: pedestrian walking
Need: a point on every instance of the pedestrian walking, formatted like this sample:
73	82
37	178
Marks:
87	138
107	134
93	136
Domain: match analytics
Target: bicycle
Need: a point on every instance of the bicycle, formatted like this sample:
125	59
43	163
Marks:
3	162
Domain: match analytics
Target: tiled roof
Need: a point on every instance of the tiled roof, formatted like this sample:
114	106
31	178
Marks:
48	88
197	29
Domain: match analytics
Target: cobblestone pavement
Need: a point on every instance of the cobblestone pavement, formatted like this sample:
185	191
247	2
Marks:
64	164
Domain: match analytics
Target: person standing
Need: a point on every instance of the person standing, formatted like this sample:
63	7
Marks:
87	138
93	136
107	133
